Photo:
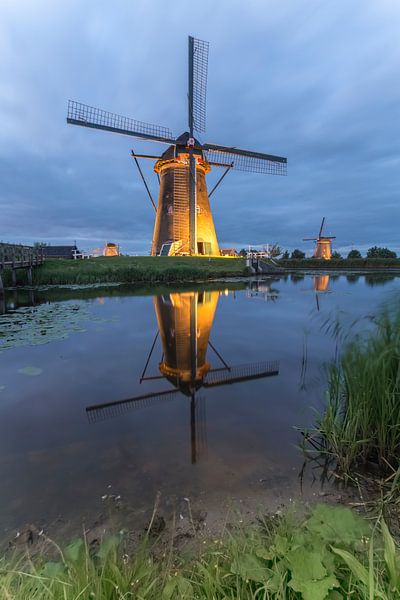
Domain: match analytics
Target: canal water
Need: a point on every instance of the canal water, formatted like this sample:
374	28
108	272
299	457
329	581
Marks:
214	379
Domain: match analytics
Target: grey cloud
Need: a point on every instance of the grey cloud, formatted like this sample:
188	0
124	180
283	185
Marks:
317	82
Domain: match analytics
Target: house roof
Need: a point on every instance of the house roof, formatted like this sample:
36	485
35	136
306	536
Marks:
59	251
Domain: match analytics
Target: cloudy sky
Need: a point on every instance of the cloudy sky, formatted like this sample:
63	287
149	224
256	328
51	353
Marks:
313	80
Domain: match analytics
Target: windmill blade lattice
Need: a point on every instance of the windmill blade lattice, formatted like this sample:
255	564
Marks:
198	70
241	373
245	160
96	118
109	410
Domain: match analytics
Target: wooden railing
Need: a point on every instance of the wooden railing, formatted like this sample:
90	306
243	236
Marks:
17	256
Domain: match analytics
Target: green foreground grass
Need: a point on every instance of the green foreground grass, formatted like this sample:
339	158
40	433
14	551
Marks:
133	269
330	554
361	423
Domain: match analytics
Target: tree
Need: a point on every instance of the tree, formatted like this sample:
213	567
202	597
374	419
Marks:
377	252
298	254
336	255
285	255
243	252
273	250
354	254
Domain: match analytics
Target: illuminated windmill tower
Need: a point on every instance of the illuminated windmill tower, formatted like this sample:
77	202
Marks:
184	326
323	246
184	222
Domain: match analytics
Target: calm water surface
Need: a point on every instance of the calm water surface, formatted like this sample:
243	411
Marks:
215	380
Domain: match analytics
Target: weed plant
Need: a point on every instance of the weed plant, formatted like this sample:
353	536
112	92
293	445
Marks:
331	554
361	423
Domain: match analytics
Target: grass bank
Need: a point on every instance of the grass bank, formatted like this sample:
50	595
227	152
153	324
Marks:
361	423
371	264
133	269
330	554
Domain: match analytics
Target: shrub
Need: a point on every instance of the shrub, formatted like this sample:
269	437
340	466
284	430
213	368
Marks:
354	254
377	252
298	254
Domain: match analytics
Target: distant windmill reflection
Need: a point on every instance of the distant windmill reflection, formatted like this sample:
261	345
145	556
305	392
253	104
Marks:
321	284
184	325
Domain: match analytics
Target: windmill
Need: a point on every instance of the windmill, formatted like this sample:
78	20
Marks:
323	246
184	326
184	222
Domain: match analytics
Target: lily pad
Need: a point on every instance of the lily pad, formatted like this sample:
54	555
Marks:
43	324
31	371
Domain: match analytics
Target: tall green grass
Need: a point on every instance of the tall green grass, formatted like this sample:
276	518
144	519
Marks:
133	269
331	554
361	423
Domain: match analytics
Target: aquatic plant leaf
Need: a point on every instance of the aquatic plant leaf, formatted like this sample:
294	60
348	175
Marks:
265	553
42	324
314	590
248	566
305	565
334	595
281	544
337	524
52	569
74	550
30	371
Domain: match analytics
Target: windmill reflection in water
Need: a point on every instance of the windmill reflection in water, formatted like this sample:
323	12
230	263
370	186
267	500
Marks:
321	284
184	325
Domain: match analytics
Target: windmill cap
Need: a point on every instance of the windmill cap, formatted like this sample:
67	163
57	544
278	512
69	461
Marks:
181	147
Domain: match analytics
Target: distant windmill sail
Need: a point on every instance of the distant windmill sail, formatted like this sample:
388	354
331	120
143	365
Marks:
184	223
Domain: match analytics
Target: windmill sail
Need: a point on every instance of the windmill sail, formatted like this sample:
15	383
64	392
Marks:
245	160
96	118
322	226
240	373
198	69
108	410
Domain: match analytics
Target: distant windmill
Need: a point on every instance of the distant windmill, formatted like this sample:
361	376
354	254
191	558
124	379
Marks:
184	223
323	246
184	322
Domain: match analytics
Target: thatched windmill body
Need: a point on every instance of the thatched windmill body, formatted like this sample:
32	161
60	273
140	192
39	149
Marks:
184	222
323	244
